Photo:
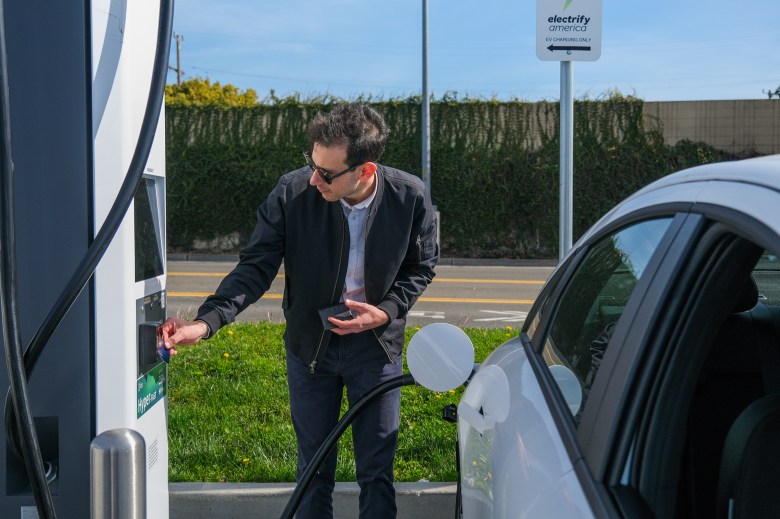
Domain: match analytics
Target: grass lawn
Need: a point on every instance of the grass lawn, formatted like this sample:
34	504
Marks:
229	417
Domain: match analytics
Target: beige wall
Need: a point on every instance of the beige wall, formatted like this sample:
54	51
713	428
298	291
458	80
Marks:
734	126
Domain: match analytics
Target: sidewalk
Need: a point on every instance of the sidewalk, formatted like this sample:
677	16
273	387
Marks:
267	501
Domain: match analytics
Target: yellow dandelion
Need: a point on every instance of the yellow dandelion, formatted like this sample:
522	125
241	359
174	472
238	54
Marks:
245	460
226	354
230	332
508	327
451	391
438	396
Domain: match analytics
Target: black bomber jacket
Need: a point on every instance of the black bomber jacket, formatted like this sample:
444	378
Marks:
311	235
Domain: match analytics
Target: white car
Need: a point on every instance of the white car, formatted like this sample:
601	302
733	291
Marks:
646	379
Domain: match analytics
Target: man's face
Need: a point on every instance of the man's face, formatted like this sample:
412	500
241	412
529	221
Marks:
353	186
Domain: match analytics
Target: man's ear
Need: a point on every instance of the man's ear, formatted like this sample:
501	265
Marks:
367	171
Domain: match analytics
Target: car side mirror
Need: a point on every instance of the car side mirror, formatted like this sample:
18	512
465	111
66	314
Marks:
440	357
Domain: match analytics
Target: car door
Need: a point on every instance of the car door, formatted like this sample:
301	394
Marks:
660	440
519	416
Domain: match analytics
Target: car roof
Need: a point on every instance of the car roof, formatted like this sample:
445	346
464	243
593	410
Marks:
750	186
759	170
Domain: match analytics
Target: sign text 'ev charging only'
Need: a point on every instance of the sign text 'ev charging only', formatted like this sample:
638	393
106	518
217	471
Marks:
568	30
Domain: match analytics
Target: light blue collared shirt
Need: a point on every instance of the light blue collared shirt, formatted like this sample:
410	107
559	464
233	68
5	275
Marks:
357	216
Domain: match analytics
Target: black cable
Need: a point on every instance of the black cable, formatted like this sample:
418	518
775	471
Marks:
9	302
117	213
327	445
23	437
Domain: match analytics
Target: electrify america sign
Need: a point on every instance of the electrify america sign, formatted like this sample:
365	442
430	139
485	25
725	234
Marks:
568	30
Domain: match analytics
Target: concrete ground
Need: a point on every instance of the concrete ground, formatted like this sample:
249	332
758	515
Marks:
267	501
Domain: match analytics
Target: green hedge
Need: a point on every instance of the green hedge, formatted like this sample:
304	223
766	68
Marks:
494	166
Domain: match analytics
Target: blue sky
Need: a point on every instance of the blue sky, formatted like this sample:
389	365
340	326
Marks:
664	50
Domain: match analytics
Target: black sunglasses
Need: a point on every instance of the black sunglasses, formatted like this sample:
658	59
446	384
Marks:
327	176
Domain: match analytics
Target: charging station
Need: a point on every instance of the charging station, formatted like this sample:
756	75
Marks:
79	76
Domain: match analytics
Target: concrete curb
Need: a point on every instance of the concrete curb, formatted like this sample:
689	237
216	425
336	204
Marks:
266	501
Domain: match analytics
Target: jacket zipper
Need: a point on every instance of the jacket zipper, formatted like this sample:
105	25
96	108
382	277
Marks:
313	365
382	344
368	228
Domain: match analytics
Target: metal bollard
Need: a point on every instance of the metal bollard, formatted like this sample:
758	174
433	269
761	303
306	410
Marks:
118	471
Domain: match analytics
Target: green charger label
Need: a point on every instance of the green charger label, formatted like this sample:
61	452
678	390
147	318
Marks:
152	387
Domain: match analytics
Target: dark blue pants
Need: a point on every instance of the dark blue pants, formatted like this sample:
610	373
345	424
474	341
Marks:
358	363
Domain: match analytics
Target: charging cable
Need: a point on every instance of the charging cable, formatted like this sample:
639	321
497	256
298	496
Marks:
19	423
327	445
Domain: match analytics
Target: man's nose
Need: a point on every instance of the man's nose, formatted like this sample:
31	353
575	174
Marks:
314	179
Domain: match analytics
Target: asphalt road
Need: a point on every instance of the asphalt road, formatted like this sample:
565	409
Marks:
467	296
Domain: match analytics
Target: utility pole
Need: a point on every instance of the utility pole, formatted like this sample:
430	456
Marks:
426	119
179	71
426	104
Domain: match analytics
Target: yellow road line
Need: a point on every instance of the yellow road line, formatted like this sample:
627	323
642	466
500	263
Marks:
502	281
435	280
477	300
206	294
423	299
201	274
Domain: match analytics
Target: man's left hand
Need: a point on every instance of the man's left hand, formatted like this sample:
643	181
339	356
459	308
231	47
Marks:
366	317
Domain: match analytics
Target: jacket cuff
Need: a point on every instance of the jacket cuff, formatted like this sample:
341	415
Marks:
208	333
390	308
213	320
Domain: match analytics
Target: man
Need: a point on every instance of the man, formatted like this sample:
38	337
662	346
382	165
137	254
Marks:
349	231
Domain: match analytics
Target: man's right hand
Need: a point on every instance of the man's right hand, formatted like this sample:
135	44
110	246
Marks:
180	332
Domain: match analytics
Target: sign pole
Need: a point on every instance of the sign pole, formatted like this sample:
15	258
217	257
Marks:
566	158
567	31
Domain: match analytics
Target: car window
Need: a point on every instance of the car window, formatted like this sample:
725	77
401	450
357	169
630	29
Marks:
594	300
766	273
540	310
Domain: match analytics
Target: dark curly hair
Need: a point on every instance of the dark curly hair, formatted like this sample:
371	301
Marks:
356	125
